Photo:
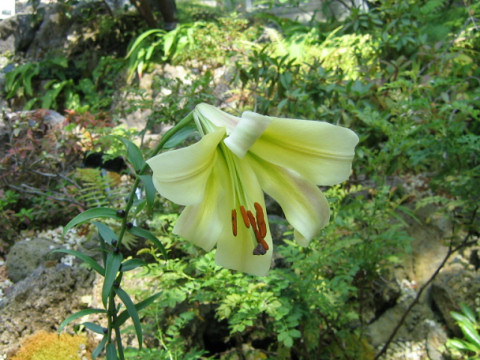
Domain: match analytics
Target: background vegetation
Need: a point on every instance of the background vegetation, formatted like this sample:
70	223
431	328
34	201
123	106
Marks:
404	75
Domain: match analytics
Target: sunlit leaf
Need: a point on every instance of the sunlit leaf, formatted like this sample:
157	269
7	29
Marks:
85	258
100	212
78	315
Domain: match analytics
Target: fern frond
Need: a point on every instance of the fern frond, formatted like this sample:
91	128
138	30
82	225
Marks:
98	187
432	6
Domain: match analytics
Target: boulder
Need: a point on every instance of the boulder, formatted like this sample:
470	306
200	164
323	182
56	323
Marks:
42	301
457	283
26	255
17	33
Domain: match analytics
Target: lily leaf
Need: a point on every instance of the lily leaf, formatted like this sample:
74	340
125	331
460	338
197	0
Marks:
105	232
141	305
148	235
150	191
99	347
131	264
111	270
111	352
94	327
180	136
134	154
100	212
87	259
78	315
132	311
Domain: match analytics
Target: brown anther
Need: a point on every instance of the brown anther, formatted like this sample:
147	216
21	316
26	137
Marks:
262	226
258	232
252	220
234	222
264	244
245	216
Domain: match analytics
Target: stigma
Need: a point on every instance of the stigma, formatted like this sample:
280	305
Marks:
256	223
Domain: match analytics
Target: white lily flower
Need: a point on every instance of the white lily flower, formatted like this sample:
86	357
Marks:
221	180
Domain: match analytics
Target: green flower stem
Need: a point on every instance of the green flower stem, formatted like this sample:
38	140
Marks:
111	307
184	122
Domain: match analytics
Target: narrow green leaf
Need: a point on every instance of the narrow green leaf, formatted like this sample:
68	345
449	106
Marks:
99	347
459	317
78	315
457	344
141	305
85	258
111	269
134	154
142	37
148	235
105	232
180	136
150	190
111	352
468	313
94	327
131	264
470	333
100	212
138	206
132	311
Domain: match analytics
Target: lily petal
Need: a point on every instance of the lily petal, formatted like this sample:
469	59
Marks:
236	252
206	114
302	202
319	151
202	224
181	175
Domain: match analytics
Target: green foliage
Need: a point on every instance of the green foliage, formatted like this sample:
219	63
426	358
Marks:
56	83
469	346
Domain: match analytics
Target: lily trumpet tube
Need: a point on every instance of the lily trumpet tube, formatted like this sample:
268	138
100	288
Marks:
222	178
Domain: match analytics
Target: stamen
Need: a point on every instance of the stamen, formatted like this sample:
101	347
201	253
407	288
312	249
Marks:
252	220
245	216
234	222
262	226
257	232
